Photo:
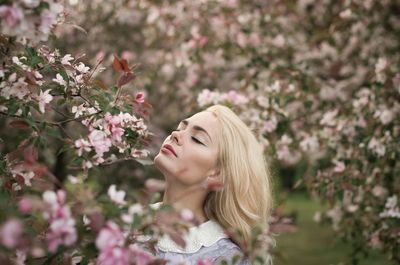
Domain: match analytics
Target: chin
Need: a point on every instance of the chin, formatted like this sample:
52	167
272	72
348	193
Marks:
162	164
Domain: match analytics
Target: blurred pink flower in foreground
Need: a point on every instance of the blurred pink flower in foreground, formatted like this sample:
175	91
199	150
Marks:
62	226
110	242
116	196
10	233
205	262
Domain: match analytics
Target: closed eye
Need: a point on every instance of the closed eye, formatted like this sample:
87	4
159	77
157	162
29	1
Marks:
196	140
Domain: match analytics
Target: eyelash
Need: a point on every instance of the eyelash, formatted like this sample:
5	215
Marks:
197	141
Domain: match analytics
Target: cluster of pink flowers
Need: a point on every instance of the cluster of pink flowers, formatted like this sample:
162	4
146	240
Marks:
62	229
23	21
19	86
392	209
107	132
111	244
207	97
77	73
22	175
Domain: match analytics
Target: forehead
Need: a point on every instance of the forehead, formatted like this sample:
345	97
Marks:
206	120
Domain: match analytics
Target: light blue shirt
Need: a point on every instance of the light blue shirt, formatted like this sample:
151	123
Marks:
223	249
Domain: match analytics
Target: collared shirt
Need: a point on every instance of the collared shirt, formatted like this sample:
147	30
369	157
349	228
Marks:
208	241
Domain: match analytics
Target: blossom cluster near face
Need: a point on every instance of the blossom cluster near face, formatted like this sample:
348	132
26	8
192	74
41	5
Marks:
28	21
108	131
111	244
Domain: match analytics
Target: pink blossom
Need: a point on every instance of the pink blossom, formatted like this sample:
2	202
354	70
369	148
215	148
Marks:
345	14
62	226
62	231
377	146
140	256
116	196
60	80
205	262
375	241
10	15
339	166
139	153
117	133
386	116
15	88
114	256
380	66
136	208
270	125
112	119
25	174
392	209
44	98
335	214
109	237
187	214
329	118
237	98
10	233
20	257
206	97
81	67
25	206
98	139
309	144
139	98
82	145
379	191
114	127
66	59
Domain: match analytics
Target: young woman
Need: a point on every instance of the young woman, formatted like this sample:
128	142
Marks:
214	146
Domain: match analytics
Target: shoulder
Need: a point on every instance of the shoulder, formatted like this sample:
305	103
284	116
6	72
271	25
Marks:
227	250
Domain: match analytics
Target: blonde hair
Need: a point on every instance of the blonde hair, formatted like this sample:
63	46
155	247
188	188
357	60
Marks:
246	200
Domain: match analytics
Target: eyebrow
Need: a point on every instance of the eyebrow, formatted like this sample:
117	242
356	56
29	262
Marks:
197	128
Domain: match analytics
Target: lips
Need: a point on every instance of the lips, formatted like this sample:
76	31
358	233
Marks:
170	148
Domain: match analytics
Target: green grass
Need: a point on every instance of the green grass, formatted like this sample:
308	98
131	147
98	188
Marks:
314	244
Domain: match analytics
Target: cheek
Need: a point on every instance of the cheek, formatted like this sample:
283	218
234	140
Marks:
195	168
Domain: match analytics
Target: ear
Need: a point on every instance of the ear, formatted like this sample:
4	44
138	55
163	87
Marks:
213	175
213	181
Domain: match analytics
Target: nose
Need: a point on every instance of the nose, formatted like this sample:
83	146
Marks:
176	137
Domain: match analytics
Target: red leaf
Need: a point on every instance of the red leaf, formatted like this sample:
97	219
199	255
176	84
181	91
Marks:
30	155
146	104
178	239
121	65
125	79
20	124
100	84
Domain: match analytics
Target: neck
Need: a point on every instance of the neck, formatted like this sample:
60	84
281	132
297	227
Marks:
183	197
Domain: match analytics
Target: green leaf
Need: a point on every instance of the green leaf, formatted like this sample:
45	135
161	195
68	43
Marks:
36	60
61	101
54	132
30	51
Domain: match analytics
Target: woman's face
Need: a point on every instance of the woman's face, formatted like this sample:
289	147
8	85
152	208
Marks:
189	154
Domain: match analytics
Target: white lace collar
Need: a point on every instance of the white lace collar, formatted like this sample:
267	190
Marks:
206	234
